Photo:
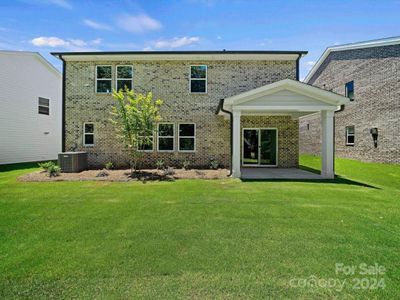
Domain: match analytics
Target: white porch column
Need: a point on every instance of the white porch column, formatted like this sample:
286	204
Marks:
236	145
327	137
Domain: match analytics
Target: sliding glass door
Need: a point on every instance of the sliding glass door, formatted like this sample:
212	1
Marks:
259	147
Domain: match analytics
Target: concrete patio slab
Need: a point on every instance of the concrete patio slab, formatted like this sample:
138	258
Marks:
277	173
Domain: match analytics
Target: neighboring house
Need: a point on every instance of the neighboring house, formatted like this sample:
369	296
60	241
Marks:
368	128
30	108
207	95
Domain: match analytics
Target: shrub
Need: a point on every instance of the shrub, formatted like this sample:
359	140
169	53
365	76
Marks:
169	171
46	165
109	166
160	164
102	173
213	164
186	164
54	170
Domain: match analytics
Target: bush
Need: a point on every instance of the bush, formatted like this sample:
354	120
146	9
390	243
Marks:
46	165
186	164
214	164
54	170
169	171
109	166
160	164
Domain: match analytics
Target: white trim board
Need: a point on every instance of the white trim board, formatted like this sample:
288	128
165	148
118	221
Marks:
360	45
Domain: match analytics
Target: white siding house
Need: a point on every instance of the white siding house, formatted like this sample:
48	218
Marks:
29	132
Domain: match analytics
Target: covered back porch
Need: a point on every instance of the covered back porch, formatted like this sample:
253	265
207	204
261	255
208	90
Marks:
265	132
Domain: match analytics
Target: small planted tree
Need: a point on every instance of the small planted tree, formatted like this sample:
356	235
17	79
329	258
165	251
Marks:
135	116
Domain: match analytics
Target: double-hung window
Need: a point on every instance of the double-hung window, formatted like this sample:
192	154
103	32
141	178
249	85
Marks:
145	143
187	137
198	79
350	135
124	77
349	90
103	79
44	106
166	139
88	134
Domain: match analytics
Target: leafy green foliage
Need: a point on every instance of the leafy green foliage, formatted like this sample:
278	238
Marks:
53	170
135	116
109	166
160	164
46	165
214	164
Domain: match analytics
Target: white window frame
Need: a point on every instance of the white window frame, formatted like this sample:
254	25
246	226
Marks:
117	78
185	136
152	144
96	79
84	134
173	137
46	106
352	134
205	79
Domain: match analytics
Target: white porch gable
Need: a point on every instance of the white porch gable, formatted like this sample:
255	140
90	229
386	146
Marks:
287	97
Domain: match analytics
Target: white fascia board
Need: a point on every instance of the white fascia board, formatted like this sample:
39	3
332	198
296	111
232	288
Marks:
180	57
352	46
292	85
36	55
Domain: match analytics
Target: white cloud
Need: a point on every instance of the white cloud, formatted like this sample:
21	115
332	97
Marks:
49	41
219	37
96	25
177	42
138	24
70	44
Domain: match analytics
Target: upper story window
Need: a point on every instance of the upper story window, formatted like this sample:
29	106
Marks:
103	79
349	89
166	137
44	106
88	134
124	77
187	137
198	79
350	135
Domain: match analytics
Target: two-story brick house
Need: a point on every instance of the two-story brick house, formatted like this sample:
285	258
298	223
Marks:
239	108
368	128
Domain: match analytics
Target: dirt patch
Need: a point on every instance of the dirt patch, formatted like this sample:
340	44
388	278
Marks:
125	175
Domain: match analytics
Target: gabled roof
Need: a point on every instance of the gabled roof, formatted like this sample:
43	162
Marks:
36	55
296	87
351	46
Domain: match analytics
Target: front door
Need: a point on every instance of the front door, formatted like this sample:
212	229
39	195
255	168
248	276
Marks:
259	147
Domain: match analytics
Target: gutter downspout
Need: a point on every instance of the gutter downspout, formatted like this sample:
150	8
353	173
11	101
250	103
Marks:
298	68
221	108
63	104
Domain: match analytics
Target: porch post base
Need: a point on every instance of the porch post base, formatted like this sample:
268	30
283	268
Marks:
328	175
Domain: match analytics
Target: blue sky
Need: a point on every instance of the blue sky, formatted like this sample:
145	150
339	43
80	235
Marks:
72	25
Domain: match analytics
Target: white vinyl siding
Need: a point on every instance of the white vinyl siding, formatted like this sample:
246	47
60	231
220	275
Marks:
25	134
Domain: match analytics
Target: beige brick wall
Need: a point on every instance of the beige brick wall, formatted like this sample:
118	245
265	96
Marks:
168	80
375	72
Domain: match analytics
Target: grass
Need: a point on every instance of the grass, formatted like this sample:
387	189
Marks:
199	239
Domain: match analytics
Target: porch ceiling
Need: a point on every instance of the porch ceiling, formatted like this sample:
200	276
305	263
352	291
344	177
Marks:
285	97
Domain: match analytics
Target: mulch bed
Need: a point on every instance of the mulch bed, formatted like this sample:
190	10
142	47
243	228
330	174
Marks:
125	175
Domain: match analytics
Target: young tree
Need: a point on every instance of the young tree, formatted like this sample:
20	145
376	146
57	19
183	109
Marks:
135	116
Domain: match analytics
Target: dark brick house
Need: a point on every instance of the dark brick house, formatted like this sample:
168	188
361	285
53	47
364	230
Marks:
368	128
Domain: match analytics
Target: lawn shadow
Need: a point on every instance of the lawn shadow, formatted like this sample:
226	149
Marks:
18	166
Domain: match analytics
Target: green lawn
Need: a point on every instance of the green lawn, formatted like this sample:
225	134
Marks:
199	239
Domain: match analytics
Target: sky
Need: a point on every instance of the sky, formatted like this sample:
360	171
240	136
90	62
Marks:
98	25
